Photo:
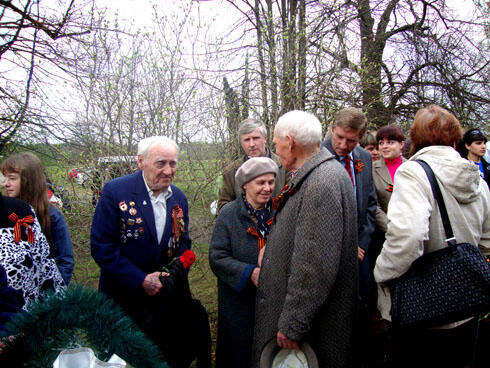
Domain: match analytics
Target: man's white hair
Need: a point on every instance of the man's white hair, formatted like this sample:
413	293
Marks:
146	144
303	126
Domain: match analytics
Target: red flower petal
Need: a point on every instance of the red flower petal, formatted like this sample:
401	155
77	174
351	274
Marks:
187	258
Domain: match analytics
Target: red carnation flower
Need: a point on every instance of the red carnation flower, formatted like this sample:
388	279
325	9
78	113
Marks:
358	166
187	258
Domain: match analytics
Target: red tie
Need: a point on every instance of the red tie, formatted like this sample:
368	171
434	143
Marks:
348	168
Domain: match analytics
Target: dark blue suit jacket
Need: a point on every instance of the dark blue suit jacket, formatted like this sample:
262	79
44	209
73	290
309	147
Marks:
365	194
124	245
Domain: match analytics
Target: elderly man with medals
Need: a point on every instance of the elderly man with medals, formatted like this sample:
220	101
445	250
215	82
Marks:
140	240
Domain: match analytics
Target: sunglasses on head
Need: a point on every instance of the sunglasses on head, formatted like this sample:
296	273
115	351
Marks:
475	132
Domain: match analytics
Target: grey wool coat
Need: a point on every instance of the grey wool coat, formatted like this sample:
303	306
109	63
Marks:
233	254
308	284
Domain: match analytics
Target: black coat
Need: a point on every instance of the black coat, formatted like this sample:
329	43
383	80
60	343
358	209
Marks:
233	254
486	171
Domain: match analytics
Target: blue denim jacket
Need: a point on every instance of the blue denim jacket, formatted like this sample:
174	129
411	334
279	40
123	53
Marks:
62	241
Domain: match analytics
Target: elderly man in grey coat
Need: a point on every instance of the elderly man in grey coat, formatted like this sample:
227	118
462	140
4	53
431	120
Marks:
308	282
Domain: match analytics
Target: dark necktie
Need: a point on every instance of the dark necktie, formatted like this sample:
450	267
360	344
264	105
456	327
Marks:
348	168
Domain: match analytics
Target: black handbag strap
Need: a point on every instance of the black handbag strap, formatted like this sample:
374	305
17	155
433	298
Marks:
440	201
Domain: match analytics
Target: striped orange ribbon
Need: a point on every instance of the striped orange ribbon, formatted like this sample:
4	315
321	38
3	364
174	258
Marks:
261	240
26	221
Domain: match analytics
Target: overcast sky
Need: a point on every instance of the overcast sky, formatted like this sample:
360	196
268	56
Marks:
140	11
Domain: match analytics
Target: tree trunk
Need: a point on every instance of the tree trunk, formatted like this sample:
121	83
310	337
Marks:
372	47
302	46
232	117
289	52
260	50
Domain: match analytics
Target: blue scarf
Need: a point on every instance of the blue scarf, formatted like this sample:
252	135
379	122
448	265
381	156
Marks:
262	215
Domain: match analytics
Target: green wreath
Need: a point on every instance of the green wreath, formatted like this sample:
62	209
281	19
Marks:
81	317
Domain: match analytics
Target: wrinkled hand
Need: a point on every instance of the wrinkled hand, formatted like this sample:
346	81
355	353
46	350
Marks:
360	254
284	342
254	277
261	257
152	284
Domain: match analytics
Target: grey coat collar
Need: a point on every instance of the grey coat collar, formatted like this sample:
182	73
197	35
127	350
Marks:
318	158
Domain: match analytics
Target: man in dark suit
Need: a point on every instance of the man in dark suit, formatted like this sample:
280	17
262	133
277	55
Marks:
348	127
140	224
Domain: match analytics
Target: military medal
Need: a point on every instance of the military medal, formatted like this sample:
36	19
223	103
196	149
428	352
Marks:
129	234
132	211
123	206
136	235
178	229
141	230
139	220
123	238
132	204
170	245
131	221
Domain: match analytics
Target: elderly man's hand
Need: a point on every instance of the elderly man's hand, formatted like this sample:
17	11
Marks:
152	284
360	254
284	342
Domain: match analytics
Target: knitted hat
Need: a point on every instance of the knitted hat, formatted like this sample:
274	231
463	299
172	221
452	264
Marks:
254	167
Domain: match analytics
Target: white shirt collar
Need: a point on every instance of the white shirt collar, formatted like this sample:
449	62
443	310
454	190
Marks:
349	154
163	195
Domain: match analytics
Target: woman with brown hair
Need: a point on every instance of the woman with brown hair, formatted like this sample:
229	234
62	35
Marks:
390	140
25	179
415	228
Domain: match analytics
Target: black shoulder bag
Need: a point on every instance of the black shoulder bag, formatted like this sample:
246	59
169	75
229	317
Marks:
447	285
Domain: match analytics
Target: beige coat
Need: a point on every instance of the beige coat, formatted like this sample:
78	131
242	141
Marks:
414	222
384	187
229	191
